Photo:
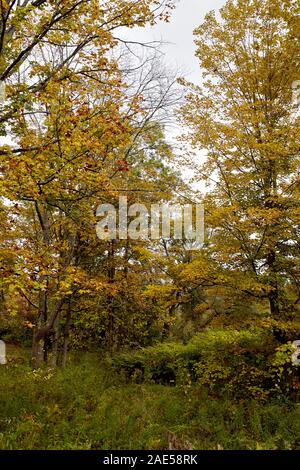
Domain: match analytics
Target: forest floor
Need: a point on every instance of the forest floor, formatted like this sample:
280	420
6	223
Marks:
87	407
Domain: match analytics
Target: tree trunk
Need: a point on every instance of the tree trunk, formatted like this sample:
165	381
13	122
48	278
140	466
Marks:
37	350
66	336
274	303
111	301
40	333
274	294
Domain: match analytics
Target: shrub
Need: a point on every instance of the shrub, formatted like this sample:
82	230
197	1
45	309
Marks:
239	363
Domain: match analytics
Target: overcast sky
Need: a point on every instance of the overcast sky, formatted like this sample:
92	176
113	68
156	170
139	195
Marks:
179	53
180	50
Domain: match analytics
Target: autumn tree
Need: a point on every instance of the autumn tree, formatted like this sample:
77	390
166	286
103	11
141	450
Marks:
244	117
68	117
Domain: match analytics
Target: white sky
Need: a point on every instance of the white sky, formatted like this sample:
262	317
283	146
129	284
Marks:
180	50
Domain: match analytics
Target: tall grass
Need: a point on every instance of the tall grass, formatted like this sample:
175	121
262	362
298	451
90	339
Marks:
85	406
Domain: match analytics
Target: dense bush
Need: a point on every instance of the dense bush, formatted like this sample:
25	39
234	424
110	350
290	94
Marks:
240	363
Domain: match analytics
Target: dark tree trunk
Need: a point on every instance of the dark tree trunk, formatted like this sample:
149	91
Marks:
66	336
111	301
55	343
274	303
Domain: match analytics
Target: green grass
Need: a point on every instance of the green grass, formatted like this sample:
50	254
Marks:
86	407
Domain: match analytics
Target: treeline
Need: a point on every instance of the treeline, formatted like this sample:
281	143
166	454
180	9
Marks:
86	116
